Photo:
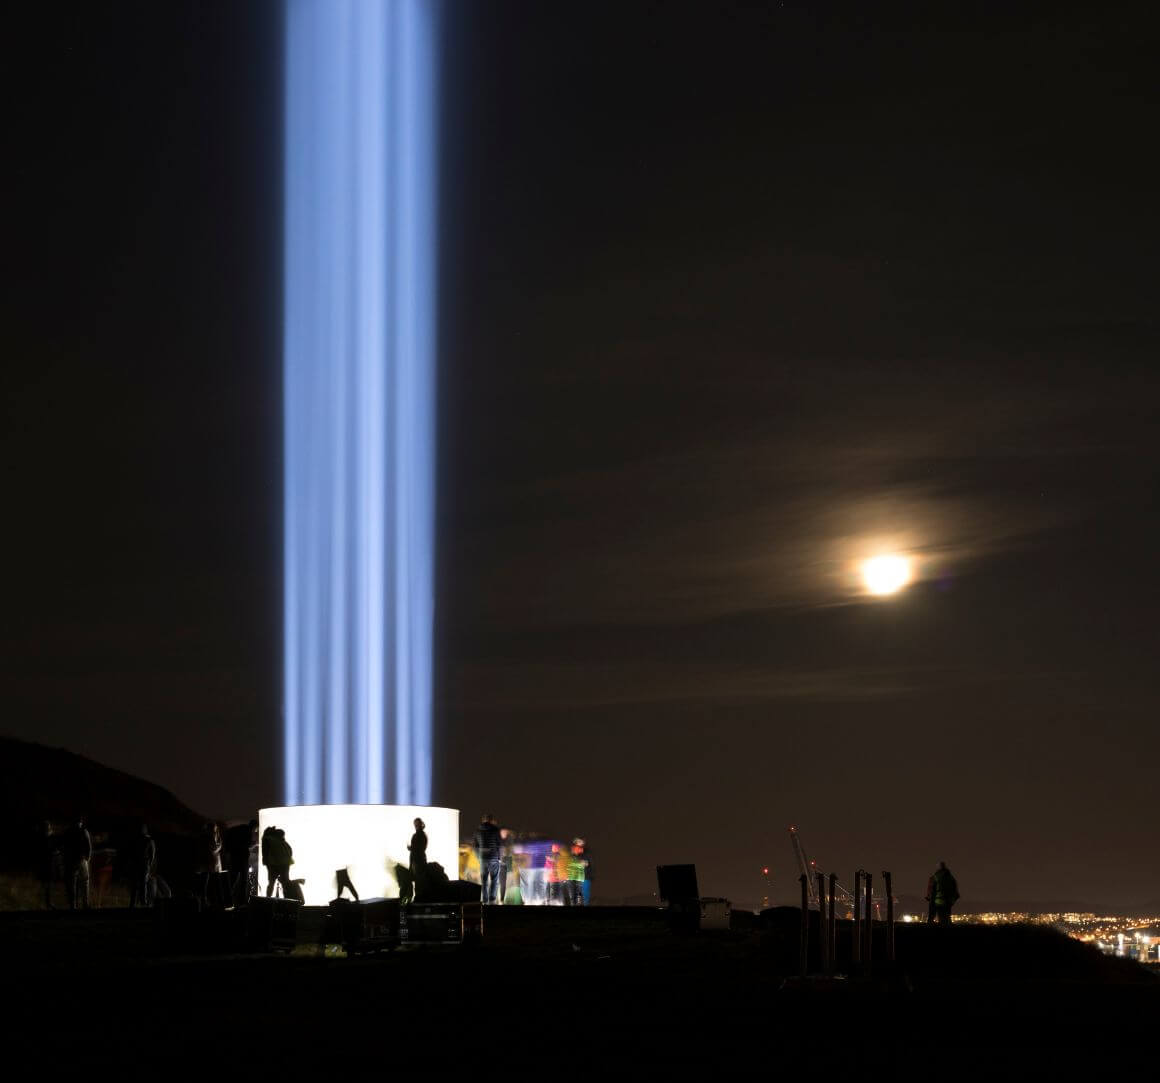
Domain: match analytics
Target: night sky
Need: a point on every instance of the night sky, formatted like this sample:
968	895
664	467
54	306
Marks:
732	296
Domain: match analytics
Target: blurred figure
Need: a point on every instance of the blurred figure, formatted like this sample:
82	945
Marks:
142	869
50	865
406	883
488	848
945	893
577	868
929	896
552	876
78	856
563	886
418	848
252	862
507	869
213	847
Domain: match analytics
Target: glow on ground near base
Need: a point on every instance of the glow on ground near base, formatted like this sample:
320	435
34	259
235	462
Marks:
359	392
886	574
366	840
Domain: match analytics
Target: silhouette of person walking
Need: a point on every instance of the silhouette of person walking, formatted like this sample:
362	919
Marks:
344	882
944	893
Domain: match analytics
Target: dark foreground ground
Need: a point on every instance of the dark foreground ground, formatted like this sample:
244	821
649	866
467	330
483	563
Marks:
562	994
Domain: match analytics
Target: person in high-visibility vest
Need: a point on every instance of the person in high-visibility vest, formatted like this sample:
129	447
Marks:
577	868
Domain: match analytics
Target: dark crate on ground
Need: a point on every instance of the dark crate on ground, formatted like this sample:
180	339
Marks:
440	923
272	924
364	926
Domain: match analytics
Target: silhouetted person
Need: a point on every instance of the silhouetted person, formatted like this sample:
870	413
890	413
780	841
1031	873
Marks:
78	856
342	877
213	847
50	865
929	896
552	875
238	841
142	869
418	848
488	848
945	893
217	888
562	858
267	835
252	862
506	860
279	857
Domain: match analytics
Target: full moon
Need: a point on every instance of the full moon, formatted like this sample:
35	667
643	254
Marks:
886	575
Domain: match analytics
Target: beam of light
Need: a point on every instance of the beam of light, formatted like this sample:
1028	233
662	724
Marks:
359	356
886	574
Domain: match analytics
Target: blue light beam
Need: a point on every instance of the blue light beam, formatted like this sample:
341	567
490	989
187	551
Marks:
359	432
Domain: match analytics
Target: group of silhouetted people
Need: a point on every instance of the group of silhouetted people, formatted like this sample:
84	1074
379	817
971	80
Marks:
68	857
567	871
565	867
278	856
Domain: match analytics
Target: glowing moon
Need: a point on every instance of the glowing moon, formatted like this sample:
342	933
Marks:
886	575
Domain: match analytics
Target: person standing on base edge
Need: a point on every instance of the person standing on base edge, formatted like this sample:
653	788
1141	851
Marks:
489	849
418	848
944	893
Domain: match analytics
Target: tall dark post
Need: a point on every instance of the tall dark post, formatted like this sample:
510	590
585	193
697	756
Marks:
886	880
823	929
856	942
869	922
832	932
803	947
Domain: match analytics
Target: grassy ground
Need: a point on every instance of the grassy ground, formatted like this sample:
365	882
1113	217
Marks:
548	992
25	892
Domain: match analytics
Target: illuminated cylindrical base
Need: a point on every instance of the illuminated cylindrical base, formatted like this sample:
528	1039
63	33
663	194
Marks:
366	840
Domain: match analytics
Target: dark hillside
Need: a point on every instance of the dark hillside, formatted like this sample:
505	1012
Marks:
38	783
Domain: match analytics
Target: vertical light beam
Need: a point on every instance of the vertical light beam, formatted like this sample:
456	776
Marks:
359	357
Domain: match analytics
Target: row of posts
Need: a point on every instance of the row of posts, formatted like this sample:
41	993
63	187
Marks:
862	939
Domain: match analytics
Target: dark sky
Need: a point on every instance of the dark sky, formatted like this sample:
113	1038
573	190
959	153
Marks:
732	295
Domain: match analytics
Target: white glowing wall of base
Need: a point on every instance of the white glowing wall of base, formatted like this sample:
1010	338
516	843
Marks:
366	840
358	391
